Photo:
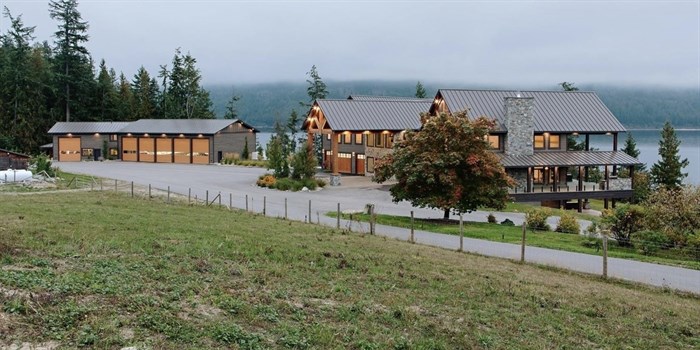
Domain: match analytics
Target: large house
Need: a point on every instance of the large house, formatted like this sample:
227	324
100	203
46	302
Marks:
199	141
531	134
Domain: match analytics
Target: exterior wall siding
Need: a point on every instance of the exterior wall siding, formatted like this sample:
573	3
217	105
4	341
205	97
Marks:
520	123
87	141
231	141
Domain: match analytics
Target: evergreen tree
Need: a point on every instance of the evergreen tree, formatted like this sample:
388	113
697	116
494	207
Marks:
184	98
668	171
631	149
420	90
293	127
145	95
72	61
317	88
246	152
164	74
106	93
125	106
231	111
567	86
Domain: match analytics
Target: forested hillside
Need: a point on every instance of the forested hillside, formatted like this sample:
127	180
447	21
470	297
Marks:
261	104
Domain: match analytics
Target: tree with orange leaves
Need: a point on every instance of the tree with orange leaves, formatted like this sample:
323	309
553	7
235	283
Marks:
447	165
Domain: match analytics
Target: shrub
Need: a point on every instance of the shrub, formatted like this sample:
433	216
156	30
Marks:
507	222
321	183
622	222
693	245
568	223
648	242
42	163
491	219
536	219
267	180
284	184
592	229
304	163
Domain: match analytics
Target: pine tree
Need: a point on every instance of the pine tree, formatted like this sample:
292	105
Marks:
145	95
420	90
72	61
106	93
125	106
668	171
317	88
631	149
246	152
231	110
293	127
567	86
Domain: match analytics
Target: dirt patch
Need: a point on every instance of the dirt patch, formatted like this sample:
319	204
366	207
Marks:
51	345
126	333
19	268
12	293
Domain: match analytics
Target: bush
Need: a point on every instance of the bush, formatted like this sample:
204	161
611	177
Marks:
693	245
507	222
648	242
267	180
622	222
592	229
321	183
568	223
536	219
491	219
42	163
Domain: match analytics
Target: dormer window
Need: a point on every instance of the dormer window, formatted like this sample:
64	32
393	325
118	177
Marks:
539	141
554	142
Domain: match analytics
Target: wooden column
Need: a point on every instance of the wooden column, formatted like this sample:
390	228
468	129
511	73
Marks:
588	148
556	179
614	149
334	155
529	180
310	139
580	187
607	185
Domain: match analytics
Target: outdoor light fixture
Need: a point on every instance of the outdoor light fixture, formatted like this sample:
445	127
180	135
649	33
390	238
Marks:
574	133
607	133
97	134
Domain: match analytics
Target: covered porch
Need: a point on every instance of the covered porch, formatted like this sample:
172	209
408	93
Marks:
557	177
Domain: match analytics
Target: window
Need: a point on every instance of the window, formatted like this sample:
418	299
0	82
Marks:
495	141
345	155
539	141
113	137
370	164
114	152
328	137
347	138
538	175
358	139
378	140
554	142
340	138
370	139
87	152
389	142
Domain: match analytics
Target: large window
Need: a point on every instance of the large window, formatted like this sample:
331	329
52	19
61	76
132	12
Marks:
347	138
538	175
554	142
539	141
495	141
370	164
379	140
358	139
370	139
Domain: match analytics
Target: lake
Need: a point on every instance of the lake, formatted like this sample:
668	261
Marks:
647	143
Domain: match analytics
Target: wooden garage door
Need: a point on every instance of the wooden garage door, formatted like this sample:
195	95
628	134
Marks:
182	151
69	149
360	164
200	151
344	163
129	149
146	149
164	150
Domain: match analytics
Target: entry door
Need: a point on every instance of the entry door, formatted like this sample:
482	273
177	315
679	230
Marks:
360	164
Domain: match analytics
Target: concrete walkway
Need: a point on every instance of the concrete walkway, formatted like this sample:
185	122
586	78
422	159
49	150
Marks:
354	194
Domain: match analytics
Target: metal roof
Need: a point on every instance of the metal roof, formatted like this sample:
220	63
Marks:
387	98
6	151
571	158
354	115
87	127
179	126
554	111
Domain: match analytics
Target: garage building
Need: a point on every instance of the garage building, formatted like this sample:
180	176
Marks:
196	141
76	141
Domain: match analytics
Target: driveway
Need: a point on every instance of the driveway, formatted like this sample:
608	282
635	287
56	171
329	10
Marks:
236	183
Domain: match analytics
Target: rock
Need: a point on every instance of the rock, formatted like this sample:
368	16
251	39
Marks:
305	189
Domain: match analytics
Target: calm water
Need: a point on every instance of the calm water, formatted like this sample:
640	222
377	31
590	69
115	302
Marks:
647	143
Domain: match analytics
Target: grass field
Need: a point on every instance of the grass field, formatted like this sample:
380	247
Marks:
545	239
102	270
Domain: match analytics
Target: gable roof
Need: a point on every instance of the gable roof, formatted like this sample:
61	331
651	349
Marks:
387	98
554	111
361	115
179	126
87	127
6	151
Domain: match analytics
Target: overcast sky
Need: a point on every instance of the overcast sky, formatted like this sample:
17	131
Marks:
480	42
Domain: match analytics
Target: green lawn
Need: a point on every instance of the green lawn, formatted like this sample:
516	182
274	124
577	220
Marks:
103	270
553	240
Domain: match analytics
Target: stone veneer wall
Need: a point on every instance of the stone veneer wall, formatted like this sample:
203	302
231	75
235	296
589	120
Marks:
520	123
620	184
520	177
376	153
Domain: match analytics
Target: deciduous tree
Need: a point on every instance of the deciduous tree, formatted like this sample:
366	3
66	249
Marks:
447	165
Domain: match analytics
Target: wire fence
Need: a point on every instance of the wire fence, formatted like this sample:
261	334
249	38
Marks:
365	221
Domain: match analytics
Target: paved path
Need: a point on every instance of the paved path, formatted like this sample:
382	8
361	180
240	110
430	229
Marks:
354	194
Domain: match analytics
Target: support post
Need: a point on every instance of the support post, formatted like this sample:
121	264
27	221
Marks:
168	194
461	232
206	199
189	195
217	196
335	174
246	202
101	187
230	201
309	218
149	191
337	222
371	219
132	189
522	244
115	185
412	229
605	256
264	205
285	208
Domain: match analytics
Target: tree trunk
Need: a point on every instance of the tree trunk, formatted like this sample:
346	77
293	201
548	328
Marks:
446	216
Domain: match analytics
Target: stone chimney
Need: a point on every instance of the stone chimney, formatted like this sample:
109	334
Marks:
520	123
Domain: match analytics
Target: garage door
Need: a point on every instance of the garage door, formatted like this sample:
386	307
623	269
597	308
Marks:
69	149
345	163
182	151
360	164
200	151
129	149
164	150
147	149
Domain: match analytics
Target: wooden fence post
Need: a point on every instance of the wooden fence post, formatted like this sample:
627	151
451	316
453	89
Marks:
219	199
337	221
264	205
246	202
230	201
101	187
132	189
461	233
115	185
189	195
168	194
285	208
522	244
206	199
309	219
412	229
605	256
371	219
